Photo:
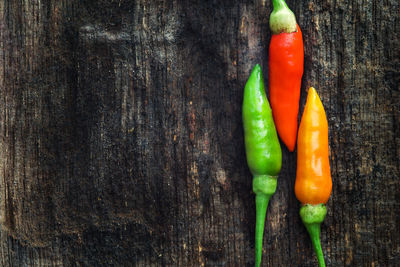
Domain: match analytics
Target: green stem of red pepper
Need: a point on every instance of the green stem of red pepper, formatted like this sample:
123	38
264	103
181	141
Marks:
282	19
263	151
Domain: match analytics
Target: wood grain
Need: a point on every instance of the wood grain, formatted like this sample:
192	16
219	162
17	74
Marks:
122	142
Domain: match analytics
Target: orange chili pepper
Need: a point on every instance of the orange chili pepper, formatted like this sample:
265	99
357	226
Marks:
313	180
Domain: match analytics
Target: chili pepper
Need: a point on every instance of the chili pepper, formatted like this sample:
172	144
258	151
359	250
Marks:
313	179
286	57
263	151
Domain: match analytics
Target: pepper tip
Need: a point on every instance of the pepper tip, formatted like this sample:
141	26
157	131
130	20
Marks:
291	146
256	73
257	67
312	94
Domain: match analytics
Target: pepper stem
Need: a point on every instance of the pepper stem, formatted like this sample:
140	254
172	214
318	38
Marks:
282	19
261	209
264	187
278	4
312	217
314	230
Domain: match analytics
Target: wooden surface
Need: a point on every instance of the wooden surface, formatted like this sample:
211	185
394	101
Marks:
122	142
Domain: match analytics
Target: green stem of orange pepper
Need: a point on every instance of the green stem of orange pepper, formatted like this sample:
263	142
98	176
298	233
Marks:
263	151
312	217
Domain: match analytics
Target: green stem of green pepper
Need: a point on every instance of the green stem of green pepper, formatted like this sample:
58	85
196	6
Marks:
263	151
261	210
264	187
312	217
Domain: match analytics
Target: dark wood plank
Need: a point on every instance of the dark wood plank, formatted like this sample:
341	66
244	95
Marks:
122	143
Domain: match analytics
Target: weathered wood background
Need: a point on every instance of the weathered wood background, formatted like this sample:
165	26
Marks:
122	143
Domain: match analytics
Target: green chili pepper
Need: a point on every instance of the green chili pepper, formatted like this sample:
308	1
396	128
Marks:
263	151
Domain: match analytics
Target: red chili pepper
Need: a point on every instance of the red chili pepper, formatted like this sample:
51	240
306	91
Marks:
286	57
